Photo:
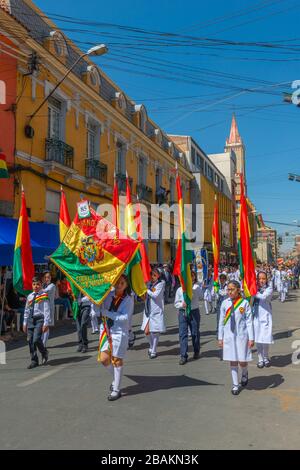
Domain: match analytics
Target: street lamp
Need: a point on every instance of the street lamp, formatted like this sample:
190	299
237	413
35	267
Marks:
93	51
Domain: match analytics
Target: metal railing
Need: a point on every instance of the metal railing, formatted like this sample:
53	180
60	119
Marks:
144	192
95	170
59	152
121	179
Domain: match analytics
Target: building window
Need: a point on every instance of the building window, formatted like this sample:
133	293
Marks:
210	173
121	159
201	165
158	179
193	156
54	119
142	171
52	207
91	141
198	160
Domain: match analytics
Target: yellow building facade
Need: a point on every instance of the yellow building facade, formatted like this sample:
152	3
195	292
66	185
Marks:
84	133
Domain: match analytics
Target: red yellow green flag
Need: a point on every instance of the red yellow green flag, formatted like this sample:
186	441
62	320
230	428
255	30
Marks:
3	166
146	268
216	245
247	265
64	216
134	269
23	268
184	257
93	255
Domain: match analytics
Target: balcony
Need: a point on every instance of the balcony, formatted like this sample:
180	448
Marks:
161	195
144	192
95	170
59	152
121	178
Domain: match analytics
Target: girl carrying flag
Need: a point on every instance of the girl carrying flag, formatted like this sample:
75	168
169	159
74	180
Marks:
116	311
236	334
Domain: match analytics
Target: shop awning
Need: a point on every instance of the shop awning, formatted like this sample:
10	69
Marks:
44	240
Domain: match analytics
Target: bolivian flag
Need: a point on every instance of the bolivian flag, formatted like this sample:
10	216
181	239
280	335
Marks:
23	268
184	257
3	166
134	269
64	225
216	245
64	216
93	256
247	265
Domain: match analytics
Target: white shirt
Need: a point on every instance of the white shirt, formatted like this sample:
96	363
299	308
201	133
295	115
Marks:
197	296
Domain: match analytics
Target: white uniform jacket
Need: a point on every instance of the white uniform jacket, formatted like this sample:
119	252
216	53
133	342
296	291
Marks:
154	308
51	291
197	296
119	330
237	332
262	310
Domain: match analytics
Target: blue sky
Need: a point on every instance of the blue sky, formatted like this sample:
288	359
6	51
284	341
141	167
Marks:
192	87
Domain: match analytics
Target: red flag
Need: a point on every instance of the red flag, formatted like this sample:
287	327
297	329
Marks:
146	268
216	245
64	216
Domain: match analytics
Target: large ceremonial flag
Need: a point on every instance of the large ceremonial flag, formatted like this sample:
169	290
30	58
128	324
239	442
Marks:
64	216
134	269
92	255
184	257
3	166
116	208
247	265
23	268
216	245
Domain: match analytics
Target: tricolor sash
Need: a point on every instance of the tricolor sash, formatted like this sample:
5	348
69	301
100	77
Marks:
236	305
38	299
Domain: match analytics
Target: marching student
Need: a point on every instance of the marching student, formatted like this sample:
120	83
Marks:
236	335
36	320
191	321
116	311
282	284
153	318
50	289
262	311
221	296
208	287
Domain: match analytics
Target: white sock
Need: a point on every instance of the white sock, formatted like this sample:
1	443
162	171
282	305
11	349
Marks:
118	372
150	337
155	342
206	306
110	369
260	352
266	351
235	375
45	338
244	371
94	323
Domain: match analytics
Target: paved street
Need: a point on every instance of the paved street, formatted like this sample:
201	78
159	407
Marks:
166	406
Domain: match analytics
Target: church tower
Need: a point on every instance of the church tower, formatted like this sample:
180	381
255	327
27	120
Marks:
235	144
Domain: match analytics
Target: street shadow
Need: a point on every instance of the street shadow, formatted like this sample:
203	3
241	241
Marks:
148	384
71	344
281	361
284	334
144	345
212	353
207	333
264	382
68	360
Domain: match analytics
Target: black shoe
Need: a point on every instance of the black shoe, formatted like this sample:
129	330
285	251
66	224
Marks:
114	396
196	355
32	365
244	380
260	365
183	360
95	332
267	363
84	349
79	349
235	390
153	355
45	358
